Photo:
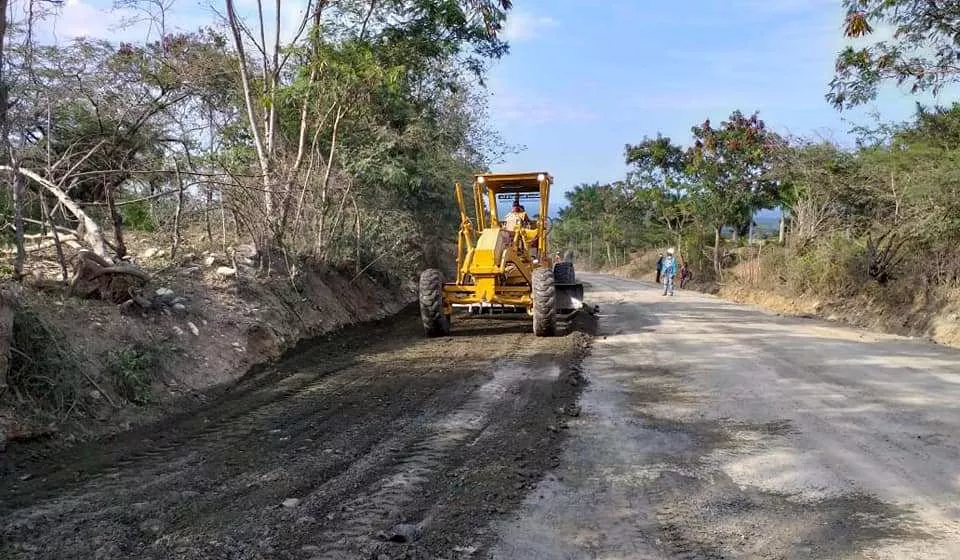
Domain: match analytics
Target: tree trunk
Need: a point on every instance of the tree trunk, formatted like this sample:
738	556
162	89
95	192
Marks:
591	245
716	250
6	150
783	227
223	225
206	215
117	222
21	257
175	246
6	336
56	238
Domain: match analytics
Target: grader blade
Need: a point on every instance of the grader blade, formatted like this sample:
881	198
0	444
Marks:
569	297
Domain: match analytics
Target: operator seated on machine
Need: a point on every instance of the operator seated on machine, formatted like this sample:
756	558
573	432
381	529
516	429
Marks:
513	221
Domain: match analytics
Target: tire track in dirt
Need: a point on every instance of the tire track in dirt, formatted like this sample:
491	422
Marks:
378	510
362	429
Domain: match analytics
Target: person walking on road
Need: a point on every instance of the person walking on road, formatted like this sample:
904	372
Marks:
669	270
659	267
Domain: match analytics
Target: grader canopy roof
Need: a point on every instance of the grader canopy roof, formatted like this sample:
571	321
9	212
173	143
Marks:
513	182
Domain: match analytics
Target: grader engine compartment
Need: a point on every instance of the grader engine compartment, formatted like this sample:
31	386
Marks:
503	258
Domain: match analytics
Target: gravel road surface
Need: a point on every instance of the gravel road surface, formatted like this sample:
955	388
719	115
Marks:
714	430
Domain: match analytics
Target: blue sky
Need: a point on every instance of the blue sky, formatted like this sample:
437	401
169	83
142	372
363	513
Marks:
585	77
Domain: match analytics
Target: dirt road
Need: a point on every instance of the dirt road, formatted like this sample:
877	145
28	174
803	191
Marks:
711	430
370	435
705	430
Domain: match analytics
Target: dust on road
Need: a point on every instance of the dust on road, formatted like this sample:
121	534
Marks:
367	438
711	430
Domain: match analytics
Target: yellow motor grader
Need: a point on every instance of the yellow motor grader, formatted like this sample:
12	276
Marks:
503	263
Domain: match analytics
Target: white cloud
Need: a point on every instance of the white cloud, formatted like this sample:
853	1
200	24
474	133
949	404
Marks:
535	109
522	26
98	19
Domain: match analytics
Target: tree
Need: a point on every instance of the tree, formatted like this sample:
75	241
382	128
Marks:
922	53
366	75
729	169
660	183
816	188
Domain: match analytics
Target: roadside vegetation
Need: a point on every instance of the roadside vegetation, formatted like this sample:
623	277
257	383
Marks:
262	150
873	227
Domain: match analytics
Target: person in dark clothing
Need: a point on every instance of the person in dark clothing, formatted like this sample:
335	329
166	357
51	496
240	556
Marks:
685	275
659	267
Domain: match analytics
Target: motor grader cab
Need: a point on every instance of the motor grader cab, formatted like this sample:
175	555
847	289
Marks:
503	261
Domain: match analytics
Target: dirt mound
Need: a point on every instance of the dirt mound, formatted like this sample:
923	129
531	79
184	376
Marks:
88	366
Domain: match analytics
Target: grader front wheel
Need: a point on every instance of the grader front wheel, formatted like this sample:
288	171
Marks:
544	303
435	323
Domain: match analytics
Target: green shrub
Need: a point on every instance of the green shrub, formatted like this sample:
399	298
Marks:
133	370
137	216
44	369
833	266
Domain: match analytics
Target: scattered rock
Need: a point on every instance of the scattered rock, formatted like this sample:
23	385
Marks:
179	307
151	252
403	533
209	261
107	552
291	503
226	271
193	329
152	526
310	548
247	250
95	395
165	292
306	520
178	331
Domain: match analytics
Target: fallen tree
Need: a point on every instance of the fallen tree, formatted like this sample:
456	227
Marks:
88	231
95	276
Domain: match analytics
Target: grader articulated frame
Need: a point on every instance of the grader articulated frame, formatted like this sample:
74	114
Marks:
501	269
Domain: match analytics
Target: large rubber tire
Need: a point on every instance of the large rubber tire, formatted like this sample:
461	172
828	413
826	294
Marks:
435	323
544	303
563	273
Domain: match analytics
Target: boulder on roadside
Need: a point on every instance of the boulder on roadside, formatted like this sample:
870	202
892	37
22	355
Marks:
246	250
151	253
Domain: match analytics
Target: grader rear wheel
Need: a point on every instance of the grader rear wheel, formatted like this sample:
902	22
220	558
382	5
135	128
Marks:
544	303
435	323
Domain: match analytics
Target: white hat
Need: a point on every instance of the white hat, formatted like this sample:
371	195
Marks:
670	251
